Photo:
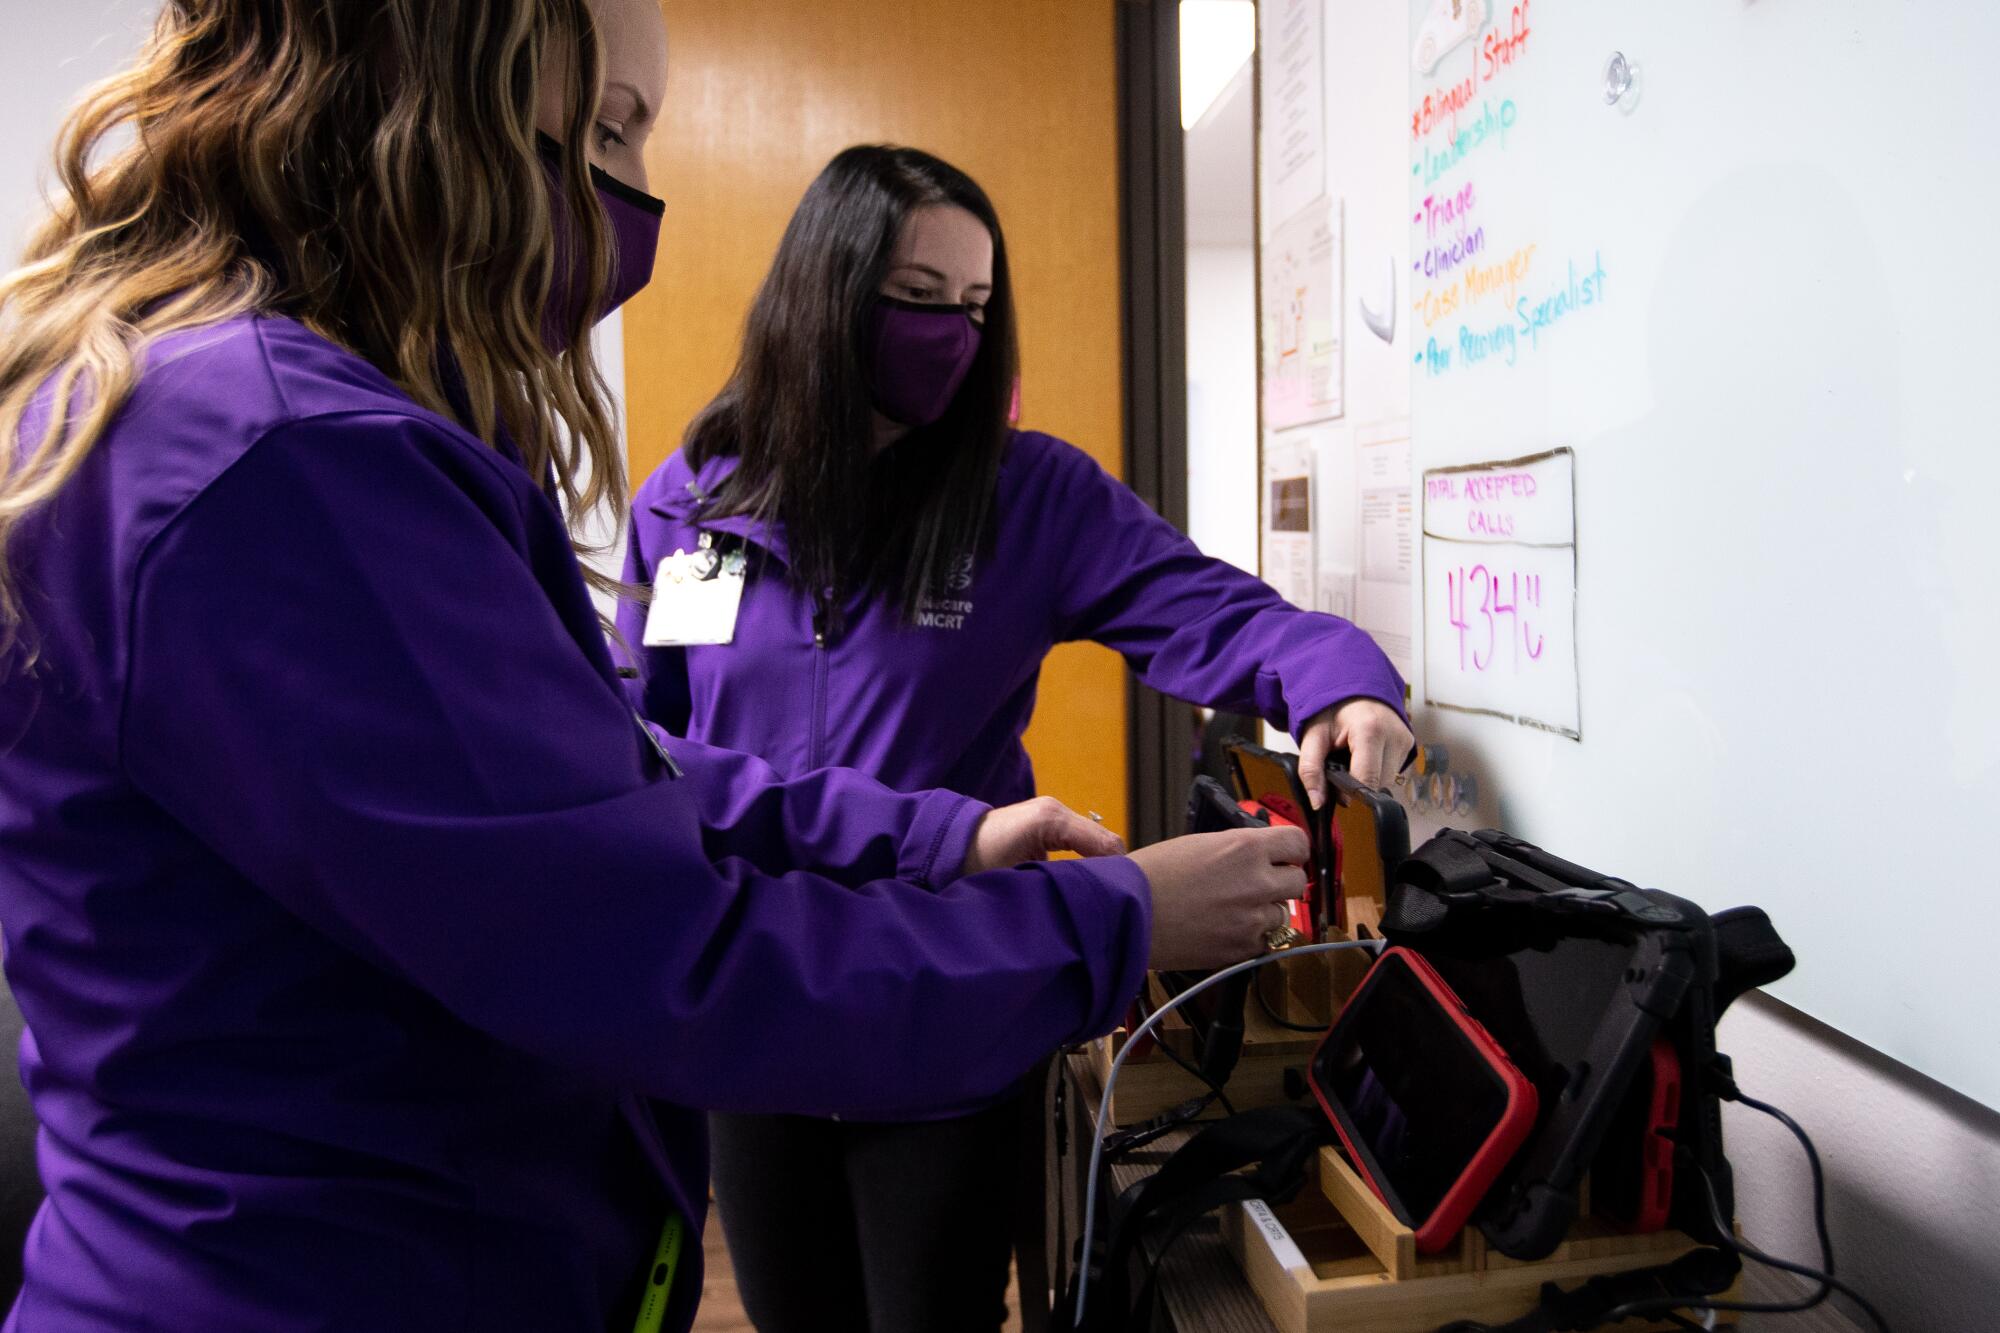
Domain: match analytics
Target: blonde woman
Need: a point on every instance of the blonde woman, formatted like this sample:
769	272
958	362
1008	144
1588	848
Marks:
374	957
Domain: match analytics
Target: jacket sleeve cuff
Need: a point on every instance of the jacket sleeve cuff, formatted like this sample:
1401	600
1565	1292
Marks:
1377	680
934	850
1112	906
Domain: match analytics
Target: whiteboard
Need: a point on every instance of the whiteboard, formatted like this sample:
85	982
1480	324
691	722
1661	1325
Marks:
1756	299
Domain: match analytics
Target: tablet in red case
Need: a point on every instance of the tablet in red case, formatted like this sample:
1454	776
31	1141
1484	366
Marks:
1427	1104
1267	785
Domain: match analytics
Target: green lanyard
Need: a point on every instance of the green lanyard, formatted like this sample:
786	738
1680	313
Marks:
660	1281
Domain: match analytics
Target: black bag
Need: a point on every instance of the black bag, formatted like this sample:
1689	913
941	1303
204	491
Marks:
1575	974
1203	1174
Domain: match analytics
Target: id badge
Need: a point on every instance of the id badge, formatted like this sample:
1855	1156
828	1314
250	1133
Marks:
696	595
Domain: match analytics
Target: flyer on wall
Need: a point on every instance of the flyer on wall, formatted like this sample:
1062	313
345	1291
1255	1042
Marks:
1387	522
1288	553
1292	63
1304	318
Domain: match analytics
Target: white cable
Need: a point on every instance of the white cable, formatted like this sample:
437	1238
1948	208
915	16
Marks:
1111	1081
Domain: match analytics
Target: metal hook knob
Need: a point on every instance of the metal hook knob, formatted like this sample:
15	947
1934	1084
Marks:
1617	78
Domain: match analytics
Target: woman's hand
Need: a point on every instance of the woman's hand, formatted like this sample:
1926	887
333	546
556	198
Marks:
1374	735
1217	895
1033	829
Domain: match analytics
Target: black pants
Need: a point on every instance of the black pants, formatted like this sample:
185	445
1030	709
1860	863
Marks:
859	1228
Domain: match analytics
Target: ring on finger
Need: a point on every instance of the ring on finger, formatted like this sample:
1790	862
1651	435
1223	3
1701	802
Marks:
1282	936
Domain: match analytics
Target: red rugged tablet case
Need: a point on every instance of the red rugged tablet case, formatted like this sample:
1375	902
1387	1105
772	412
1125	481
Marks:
1510	1129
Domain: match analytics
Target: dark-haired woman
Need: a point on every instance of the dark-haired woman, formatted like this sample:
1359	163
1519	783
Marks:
375	959
856	561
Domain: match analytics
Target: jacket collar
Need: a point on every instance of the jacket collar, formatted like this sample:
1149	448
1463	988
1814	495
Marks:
686	494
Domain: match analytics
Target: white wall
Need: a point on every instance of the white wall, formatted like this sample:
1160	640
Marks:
51	53
1222	402
1222	328
1913	1168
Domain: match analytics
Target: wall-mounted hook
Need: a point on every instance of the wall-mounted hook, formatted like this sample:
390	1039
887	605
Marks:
1617	78
1383	326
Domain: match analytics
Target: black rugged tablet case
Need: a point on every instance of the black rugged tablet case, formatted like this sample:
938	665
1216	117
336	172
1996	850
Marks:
1574	973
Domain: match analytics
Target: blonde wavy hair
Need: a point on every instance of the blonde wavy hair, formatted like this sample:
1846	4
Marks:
368	169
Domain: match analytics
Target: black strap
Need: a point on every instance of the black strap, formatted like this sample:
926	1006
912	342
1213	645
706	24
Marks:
1447	891
1451	862
1692	1277
1279	1137
1201	1175
1134	1137
1748	953
1436	886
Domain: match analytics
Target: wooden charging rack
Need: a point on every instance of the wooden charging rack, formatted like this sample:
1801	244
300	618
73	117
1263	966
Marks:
1336	1260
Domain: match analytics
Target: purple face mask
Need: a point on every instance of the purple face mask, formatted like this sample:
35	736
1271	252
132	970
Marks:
633	217
921	354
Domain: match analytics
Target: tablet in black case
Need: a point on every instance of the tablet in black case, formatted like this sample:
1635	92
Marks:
1574	974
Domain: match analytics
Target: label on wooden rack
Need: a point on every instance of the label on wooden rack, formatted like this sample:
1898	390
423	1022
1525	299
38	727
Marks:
1283	1248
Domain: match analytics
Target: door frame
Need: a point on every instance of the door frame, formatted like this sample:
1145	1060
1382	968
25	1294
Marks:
1159	761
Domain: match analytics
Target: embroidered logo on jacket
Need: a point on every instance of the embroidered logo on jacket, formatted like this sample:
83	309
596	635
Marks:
948	612
942	613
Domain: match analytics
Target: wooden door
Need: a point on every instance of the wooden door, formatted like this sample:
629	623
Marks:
1019	93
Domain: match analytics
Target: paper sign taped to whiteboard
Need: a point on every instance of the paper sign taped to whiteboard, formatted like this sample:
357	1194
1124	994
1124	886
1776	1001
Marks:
1532	502
1500	591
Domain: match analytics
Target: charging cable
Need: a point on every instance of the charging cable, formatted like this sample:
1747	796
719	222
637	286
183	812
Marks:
1670	1308
1823	1275
1111	1081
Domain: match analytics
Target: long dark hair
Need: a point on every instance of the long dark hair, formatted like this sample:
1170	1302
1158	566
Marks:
797	410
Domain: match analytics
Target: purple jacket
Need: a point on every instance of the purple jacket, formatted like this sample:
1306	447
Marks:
355	917
943	703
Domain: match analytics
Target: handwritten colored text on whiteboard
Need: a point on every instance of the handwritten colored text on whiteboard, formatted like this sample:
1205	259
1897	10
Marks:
1466	263
1500	632
1535	316
1478	282
1442	105
1492	500
1528	502
1502	601
1489	126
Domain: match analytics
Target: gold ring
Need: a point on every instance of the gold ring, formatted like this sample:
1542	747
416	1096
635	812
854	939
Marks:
1282	935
